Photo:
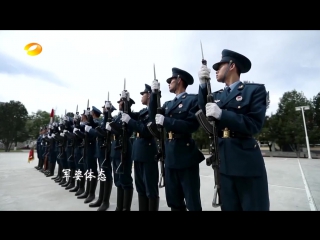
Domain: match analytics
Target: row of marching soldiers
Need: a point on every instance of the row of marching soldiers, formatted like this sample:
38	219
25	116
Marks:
79	145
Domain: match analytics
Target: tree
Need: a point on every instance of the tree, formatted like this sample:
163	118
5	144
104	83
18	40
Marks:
315	132
37	120
201	138
286	126
14	116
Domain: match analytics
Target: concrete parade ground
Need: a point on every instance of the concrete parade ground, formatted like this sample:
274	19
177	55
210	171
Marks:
294	185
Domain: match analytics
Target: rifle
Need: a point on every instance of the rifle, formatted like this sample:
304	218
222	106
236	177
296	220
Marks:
107	137
72	143
124	139
209	125
77	122
85	140
158	132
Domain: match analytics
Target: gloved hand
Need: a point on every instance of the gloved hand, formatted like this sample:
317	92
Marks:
75	129
204	74
125	117
212	109
64	131
108	127
87	128
49	137
125	94
62	134
159	119
52	135
107	105
155	85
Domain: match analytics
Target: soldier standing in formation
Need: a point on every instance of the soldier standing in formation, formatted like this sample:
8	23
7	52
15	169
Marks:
182	176
39	140
123	163
144	150
240	110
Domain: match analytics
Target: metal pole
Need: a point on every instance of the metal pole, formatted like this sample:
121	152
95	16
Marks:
305	129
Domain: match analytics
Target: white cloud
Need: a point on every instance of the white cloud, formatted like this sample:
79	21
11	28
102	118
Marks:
91	63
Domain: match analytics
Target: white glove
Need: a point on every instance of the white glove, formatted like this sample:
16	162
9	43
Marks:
52	135
159	119
64	131
62	134
87	128
125	118
49	137
204	74
87	112
212	109
108	127
107	105
155	85
75	129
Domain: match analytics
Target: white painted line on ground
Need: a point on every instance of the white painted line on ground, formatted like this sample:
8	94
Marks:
309	196
285	187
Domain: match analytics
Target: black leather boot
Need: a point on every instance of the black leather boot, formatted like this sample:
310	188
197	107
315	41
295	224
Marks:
120	197
59	173
154	204
63	180
68	181
81	187
128	193
59	179
143	203
100	198
76	187
51	168
106	196
92	191
72	183
85	194
38	166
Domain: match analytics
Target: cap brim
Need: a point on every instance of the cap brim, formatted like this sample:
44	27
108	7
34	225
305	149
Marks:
142	93
169	79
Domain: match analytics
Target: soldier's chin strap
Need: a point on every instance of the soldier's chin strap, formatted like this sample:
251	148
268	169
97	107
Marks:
227	70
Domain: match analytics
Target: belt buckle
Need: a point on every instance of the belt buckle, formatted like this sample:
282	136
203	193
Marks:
226	133
170	135
137	134
114	137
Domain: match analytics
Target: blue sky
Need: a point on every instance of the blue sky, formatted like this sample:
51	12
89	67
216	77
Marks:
75	66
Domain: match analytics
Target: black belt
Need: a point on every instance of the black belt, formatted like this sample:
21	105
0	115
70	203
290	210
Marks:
139	136
116	137
172	135
226	133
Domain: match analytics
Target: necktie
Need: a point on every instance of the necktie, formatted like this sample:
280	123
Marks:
228	90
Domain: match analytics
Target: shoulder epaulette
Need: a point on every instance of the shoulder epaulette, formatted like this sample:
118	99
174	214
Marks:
221	90
254	84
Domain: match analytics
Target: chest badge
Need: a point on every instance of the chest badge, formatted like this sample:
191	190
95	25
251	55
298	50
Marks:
217	100
239	98
180	105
